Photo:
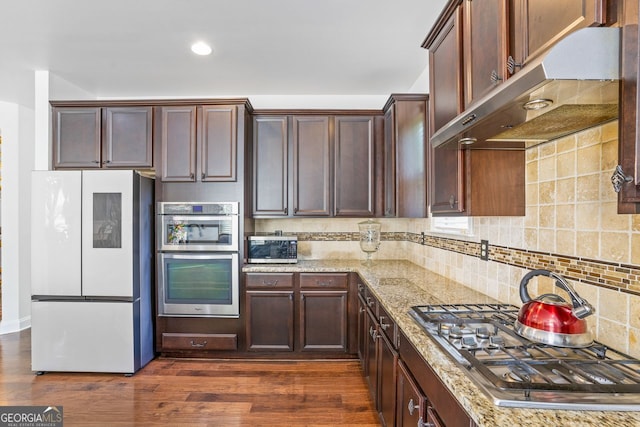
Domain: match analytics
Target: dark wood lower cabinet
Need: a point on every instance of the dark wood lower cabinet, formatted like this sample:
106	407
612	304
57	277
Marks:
387	381
442	408
411	402
405	390
269	320
323	320
371	355
299	313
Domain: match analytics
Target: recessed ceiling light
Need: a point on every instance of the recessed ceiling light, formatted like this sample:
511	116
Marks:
201	48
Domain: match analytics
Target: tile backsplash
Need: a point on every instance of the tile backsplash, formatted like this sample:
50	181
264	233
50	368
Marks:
571	226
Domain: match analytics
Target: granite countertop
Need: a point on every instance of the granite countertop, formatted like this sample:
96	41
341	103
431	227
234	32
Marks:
399	285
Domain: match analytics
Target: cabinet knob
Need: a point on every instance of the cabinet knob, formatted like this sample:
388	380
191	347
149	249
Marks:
192	176
202	176
369	302
619	178
286	211
495	78
512	65
452	201
412	407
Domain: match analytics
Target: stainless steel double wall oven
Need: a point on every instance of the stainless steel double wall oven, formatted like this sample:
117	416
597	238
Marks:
198	265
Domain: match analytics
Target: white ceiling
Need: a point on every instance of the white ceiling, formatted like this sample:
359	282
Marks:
140	48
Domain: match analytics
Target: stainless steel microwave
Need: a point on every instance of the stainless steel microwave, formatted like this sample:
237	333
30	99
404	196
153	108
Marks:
272	249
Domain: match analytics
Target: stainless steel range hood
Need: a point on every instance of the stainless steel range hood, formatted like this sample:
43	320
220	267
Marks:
578	78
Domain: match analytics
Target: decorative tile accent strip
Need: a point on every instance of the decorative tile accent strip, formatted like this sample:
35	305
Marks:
610	275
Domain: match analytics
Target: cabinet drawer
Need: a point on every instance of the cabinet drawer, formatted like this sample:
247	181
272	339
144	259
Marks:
178	341
387	326
269	280
324	281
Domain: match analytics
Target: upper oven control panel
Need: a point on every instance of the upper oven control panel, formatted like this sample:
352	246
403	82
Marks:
195	208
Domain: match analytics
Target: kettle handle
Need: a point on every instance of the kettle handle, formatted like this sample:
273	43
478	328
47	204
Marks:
524	293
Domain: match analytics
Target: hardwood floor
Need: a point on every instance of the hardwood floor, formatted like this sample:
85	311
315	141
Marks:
181	392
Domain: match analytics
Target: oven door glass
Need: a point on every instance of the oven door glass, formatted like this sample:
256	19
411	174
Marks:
198	284
198	233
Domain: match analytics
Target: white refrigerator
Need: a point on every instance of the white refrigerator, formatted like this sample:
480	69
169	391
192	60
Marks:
91	271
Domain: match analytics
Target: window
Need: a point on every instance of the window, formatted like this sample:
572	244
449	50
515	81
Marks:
452	225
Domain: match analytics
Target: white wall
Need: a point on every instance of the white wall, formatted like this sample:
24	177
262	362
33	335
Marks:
17	124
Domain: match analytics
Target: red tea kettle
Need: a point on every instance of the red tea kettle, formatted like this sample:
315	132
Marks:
549	319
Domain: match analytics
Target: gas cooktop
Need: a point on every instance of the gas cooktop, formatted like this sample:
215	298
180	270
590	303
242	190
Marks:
516	372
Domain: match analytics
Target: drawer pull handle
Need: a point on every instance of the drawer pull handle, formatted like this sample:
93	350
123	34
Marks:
324	283
268	283
382	324
412	407
373	333
198	345
370	301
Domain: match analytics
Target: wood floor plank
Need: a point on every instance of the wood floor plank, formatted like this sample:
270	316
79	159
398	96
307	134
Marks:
193	392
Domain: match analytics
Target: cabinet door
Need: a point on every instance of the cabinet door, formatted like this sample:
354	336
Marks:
447	180
412	144
323	321
127	141
311	166
218	143
538	24
270	163
485	46
269	320
362	335
445	71
389	162
629	139
411	402
178	143
371	356
354	164
387	382
76	137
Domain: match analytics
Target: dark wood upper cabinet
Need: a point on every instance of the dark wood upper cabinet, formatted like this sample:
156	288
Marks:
485	47
315	163
447	180
76	137
311	166
102	137
389	164
128	137
445	71
406	156
270	165
354	166
535	25
199	143
178	143
218	142
629	138
446	100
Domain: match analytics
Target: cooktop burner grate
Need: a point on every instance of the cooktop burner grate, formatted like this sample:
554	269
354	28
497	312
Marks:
518	372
